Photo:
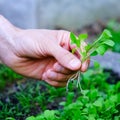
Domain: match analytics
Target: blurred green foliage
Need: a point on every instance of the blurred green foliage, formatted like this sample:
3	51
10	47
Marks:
7	76
114	27
40	101
100	101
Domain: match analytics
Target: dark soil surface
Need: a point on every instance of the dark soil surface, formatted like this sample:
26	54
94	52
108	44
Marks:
114	77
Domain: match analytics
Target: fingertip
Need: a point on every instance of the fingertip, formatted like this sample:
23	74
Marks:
75	64
44	76
56	67
84	66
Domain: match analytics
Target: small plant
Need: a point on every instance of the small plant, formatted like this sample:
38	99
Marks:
99	46
99	102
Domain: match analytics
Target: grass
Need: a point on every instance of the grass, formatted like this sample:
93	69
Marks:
7	76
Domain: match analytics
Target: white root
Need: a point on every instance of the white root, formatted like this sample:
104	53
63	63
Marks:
72	78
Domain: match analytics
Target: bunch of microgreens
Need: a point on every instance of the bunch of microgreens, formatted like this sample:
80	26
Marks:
98	47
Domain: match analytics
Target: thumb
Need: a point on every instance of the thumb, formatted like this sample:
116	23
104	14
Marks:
65	58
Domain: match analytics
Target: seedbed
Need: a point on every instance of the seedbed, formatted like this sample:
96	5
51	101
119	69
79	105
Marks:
27	99
36	98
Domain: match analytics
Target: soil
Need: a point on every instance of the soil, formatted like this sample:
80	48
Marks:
114	77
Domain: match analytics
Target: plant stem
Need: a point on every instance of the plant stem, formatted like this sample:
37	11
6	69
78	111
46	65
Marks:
78	81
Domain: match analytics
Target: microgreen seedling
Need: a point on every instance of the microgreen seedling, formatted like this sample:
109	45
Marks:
98	47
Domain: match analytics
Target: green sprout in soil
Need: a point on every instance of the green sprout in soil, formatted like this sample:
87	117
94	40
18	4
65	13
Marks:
98	47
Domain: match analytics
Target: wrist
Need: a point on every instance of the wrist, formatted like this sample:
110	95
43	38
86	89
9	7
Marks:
7	34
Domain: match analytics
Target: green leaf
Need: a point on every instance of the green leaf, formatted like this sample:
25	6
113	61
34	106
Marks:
73	37
40	117
92	110
91	117
114	98
96	64
93	53
31	118
49	114
83	37
109	43
87	47
85	92
100	46
10	118
106	34
98	103
101	49
74	40
84	54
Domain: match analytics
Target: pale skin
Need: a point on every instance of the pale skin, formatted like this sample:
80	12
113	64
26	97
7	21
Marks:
38	53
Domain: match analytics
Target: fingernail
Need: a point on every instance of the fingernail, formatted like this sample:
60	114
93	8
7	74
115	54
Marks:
75	63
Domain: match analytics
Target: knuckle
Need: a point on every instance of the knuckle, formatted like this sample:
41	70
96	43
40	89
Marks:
56	84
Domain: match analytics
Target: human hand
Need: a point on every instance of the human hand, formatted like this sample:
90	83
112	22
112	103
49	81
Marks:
39	54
